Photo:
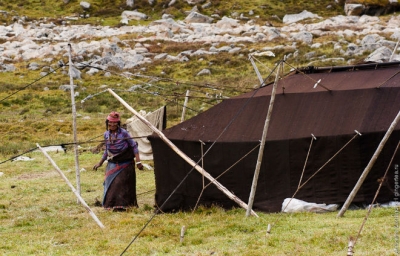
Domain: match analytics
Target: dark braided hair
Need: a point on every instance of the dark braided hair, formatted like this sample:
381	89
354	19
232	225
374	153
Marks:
119	125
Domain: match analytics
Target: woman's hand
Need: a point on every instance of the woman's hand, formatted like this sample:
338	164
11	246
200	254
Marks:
97	166
139	165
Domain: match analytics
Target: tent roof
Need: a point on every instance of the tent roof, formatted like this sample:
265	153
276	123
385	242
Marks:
363	98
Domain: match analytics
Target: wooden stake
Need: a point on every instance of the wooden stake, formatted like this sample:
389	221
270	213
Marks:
184	106
369	166
262	145
81	200
269	229
77	170
350	247
183	229
182	154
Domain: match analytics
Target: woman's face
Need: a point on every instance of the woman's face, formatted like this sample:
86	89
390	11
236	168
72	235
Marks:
112	126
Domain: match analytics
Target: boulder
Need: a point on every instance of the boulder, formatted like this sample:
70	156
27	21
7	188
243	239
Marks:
85	5
195	17
303	36
380	55
291	18
354	9
133	15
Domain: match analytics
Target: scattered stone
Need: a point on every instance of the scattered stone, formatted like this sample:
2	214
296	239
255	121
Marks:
66	87
204	72
381	54
291	18
85	5
195	17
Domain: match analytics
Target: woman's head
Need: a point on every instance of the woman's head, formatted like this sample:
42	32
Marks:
114	117
113	121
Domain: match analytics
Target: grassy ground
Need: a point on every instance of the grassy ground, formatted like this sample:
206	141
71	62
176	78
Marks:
39	215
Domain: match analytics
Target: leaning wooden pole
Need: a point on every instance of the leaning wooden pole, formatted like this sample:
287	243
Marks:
182	154
369	166
72	188
262	145
77	171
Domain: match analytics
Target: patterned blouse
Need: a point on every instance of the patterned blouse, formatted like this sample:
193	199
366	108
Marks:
118	143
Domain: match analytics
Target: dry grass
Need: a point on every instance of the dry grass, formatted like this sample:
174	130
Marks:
39	215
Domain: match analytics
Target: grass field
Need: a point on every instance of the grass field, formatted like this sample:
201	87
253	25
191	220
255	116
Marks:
39	215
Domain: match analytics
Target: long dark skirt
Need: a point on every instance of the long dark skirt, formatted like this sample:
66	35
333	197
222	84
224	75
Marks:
120	186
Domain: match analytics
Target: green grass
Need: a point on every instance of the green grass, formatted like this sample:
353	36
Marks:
39	215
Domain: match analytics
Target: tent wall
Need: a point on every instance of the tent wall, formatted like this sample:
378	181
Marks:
280	172
362	100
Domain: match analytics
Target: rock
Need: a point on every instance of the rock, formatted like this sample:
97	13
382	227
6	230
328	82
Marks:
66	87
129	3
291	18
160	56
194	9
171	3
369	42
33	66
85	5
381	54
235	50
195	17
7	68
194	2
133	15
227	23
354	9
206	5
303	36
265	53
204	72
92	71
167	16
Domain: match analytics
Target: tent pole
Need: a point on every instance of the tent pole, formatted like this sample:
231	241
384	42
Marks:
184	106
256	69
394	51
77	171
369	166
80	199
182	154
263	139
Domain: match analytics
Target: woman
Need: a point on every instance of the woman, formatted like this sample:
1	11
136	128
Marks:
120	180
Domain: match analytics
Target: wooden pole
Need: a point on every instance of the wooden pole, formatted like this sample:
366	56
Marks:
183	229
350	247
77	170
182	154
369	166
81	200
256	69
394	51
184	106
262	145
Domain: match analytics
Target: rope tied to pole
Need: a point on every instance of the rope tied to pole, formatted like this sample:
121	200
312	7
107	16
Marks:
316	172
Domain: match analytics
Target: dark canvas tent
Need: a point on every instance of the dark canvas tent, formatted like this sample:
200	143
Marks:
365	98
